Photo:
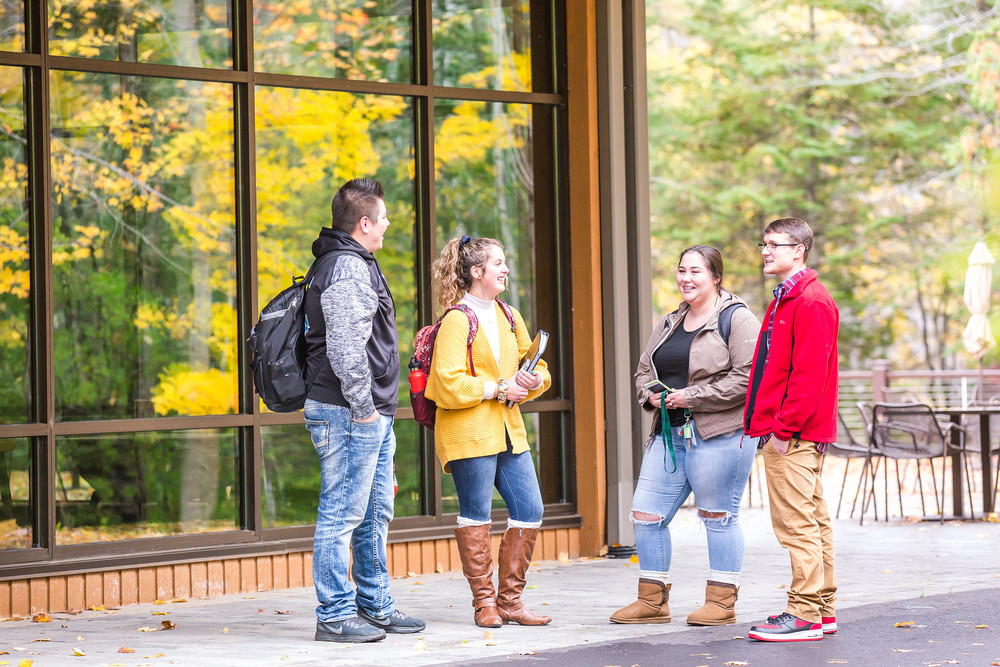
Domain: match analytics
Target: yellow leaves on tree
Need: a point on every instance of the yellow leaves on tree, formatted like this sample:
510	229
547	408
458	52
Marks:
187	392
466	135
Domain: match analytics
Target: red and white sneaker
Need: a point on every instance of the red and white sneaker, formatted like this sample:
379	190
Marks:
829	625
786	628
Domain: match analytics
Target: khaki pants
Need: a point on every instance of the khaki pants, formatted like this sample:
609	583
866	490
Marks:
801	523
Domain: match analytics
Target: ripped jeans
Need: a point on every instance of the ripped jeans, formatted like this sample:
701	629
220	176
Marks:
716	470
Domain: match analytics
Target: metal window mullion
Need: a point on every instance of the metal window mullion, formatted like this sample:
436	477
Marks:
37	118
250	442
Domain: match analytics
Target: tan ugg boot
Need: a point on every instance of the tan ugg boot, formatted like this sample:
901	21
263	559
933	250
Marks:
651	607
477	566
516	547
719	607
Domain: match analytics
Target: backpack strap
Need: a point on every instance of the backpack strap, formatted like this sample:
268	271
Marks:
508	312
726	320
473	329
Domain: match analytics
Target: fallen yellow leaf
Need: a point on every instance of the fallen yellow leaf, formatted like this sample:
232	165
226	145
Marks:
532	586
168	625
886	571
903	650
178	600
225	631
159	602
420	645
563	557
25	663
126	649
982	627
439	569
161	613
903	624
633	559
96	607
736	662
158	655
146	628
79	638
41	618
77	651
487	635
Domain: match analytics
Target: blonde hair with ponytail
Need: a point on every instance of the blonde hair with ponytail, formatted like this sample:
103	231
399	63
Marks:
452	270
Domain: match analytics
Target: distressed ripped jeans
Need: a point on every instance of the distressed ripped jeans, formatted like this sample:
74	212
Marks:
716	471
355	507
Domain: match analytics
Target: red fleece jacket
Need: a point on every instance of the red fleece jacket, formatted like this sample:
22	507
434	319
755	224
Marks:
796	394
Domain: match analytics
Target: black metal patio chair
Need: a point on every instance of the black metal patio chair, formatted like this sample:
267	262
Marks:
912	431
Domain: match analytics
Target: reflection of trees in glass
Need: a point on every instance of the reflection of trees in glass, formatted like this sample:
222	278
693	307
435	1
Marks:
131	485
11	25
14	281
308	144
484	183
482	43
171	32
143	247
15	486
348	39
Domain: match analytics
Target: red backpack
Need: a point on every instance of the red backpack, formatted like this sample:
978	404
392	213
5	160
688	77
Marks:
424	409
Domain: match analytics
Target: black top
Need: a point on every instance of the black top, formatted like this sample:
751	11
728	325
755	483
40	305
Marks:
671	361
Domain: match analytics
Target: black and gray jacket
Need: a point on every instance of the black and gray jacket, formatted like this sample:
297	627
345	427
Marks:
352	348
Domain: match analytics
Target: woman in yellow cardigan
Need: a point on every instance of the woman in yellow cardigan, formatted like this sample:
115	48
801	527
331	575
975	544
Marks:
479	439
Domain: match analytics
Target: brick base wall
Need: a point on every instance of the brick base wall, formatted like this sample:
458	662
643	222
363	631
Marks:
115	588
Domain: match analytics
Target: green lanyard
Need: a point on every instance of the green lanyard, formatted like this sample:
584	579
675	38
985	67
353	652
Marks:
665	433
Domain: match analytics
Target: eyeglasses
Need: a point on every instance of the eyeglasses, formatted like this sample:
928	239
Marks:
771	246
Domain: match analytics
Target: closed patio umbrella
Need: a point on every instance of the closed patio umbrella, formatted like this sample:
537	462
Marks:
978	336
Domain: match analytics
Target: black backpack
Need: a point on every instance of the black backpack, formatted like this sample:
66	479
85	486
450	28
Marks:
278	346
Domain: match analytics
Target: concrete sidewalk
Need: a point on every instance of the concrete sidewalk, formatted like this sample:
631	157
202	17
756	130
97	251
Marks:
878	563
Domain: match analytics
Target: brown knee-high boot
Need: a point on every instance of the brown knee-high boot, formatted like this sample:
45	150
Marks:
477	566
516	548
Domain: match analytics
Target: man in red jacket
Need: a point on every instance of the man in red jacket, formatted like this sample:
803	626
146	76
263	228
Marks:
792	407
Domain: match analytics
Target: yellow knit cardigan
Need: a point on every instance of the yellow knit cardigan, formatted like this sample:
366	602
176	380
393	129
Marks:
468	426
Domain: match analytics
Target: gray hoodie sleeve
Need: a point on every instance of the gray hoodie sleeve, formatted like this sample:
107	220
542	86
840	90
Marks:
349	304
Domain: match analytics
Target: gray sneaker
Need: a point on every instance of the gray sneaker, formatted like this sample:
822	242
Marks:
347	630
397	622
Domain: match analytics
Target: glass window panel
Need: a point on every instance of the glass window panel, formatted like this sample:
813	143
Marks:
308	144
15	494
15	390
484	185
121	486
144	286
290	481
348	39
193	33
482	44
11	25
409	465
289	476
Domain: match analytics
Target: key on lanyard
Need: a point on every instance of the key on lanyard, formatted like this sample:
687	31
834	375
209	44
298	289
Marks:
687	431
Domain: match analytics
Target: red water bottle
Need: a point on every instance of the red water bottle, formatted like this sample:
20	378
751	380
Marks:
418	379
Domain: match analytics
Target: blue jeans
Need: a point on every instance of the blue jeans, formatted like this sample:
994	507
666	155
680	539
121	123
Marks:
355	508
716	470
512	474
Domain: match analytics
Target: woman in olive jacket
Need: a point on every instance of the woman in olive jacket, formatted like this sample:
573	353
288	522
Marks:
701	353
481	441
